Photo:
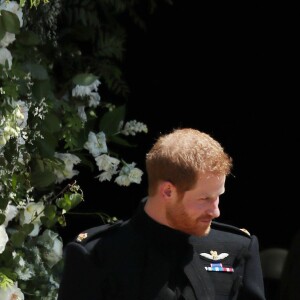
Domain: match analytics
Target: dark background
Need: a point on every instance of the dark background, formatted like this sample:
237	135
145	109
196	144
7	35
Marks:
229	70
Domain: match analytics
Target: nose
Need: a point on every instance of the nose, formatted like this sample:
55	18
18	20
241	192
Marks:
214	210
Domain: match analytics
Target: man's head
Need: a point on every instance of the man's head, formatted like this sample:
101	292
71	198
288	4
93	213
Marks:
186	174
180	156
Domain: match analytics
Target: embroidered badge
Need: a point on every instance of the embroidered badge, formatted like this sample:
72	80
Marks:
81	237
245	230
219	268
214	255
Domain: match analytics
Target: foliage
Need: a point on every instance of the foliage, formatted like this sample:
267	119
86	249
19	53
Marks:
54	64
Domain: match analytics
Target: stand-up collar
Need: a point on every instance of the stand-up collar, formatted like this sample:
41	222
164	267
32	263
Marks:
164	237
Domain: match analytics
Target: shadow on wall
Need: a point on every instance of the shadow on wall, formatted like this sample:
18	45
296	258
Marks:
290	279
273	262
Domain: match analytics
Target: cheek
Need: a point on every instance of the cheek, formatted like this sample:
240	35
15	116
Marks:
195	208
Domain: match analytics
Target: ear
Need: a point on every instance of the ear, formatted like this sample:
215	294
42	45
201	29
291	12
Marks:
167	190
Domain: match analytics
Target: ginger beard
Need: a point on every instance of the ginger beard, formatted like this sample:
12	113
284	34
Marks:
180	219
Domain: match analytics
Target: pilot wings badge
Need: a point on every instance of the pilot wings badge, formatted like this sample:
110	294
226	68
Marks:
214	255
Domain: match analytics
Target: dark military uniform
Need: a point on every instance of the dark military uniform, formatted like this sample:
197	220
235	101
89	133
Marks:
140	259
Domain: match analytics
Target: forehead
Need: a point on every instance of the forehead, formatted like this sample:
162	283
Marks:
210	184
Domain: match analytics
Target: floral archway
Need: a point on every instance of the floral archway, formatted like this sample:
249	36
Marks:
62	104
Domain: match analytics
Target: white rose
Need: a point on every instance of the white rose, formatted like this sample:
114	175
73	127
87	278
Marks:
13	7
3	239
8	39
135	175
96	143
107	163
5	55
53	247
32	214
10	212
69	160
11	293
123	180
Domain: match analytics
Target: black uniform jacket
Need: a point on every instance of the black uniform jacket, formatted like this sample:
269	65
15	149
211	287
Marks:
139	259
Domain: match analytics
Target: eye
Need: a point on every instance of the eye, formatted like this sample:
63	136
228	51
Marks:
204	198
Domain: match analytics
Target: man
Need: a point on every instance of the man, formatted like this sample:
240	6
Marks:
171	248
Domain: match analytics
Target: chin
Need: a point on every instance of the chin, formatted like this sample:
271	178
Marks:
204	232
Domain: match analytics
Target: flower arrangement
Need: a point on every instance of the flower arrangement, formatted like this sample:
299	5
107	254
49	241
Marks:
52	119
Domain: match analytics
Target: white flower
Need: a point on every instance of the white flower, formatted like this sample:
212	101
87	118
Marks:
8	39
129	174
32	214
5	55
10	212
85	90
94	100
135	175
24	270
21	261
22	114
69	161
132	127
13	7
3	239
3	139
37	255
12	132
53	281
11	293
94	86
53	247
20	141
106	162
81	113
96	143
24	273
123	180
80	91
105	176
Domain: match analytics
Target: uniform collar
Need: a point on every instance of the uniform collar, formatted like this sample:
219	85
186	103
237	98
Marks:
161	235
176	247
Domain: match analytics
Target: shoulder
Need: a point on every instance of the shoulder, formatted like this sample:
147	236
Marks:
91	236
218	226
224	238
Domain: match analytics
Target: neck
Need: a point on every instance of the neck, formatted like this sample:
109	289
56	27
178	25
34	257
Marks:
155	209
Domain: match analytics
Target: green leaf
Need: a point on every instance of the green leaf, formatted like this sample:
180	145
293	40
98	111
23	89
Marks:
48	223
27	228
10	21
84	79
38	165
64	203
52	123
2	31
3	203
50	212
62	221
28	38
41	88
75	199
18	238
120	141
42	179
110	122
37	71
22	2
2	218
47	149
